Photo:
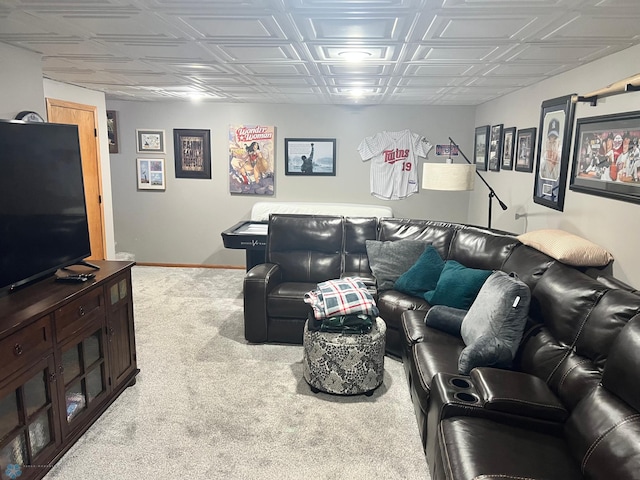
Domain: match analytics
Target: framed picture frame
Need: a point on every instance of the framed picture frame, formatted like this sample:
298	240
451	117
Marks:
495	148
151	174
112	131
481	147
192	152
554	144
508	147
526	142
310	156
150	141
606	156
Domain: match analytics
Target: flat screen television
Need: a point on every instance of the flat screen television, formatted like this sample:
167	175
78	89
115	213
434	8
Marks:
43	215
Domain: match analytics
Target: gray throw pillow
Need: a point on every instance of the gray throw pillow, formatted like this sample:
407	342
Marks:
388	260
493	326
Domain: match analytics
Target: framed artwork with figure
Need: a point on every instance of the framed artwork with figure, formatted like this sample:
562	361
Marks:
554	144
481	147
508	147
495	148
525	147
606	156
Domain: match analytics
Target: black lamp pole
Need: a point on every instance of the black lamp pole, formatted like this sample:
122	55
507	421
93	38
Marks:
492	192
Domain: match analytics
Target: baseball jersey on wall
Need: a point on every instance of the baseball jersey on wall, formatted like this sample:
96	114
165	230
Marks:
394	168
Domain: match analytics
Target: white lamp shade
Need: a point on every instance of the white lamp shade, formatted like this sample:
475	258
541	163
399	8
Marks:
448	176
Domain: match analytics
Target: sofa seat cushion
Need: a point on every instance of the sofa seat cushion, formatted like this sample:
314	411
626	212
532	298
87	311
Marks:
471	447
287	300
437	352
392	304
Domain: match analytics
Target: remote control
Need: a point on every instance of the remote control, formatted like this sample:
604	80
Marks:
73	278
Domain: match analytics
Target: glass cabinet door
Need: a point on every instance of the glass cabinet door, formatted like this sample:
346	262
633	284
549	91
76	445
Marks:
83	373
27	420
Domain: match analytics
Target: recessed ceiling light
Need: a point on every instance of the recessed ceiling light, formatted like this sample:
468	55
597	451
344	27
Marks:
354	55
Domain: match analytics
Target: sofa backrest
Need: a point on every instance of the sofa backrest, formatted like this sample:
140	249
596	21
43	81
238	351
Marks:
603	428
574	320
308	248
357	230
438	234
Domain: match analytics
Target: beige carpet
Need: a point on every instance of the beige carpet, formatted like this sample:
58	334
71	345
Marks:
207	405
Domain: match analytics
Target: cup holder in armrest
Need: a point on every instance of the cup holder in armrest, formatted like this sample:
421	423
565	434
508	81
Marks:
466	397
460	382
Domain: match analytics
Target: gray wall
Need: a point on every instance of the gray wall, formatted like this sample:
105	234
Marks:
20	82
182	224
610	223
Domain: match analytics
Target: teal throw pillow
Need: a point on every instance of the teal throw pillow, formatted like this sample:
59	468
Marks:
457	286
423	275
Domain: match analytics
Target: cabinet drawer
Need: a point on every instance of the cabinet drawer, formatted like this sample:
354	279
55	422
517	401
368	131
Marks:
75	315
25	345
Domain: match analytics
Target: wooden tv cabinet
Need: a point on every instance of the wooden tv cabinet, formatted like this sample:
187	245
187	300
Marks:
67	350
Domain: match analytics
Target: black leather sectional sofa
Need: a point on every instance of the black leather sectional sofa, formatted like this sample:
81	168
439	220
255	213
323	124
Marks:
569	407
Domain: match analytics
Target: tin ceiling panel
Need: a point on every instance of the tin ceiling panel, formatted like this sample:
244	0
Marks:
404	52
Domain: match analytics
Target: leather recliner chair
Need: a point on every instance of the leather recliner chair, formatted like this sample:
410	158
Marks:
302	250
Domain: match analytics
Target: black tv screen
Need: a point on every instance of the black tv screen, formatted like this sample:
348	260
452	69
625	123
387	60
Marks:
43	215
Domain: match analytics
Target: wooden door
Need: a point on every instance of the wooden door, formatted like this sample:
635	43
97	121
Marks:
85	117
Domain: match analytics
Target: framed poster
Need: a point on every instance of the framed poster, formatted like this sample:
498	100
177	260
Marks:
310	156
149	141
526	142
480	147
192	152
554	143
112	131
151	174
508	147
495	148
251	159
606	157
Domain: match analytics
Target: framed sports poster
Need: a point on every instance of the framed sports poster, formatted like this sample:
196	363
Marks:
606	157
251	159
554	143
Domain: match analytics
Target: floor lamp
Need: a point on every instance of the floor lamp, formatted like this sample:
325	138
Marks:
492	192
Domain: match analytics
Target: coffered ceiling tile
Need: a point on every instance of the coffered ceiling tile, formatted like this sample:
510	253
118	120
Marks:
451	54
253	53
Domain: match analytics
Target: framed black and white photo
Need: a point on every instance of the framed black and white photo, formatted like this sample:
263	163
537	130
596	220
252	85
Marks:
480	147
508	147
192	152
525	148
495	148
112	131
151	174
150	141
310	156
606	156
554	144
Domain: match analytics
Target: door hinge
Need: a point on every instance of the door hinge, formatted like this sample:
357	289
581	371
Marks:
95	132
99	198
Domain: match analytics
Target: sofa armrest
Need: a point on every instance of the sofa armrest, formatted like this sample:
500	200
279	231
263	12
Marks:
258	282
517	393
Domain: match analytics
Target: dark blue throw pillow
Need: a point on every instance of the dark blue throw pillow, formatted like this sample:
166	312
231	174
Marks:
423	275
457	286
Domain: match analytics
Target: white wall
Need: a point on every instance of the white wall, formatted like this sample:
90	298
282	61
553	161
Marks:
182	225
610	223
71	93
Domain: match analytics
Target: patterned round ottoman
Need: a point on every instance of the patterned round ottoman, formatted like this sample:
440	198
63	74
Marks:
344	363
